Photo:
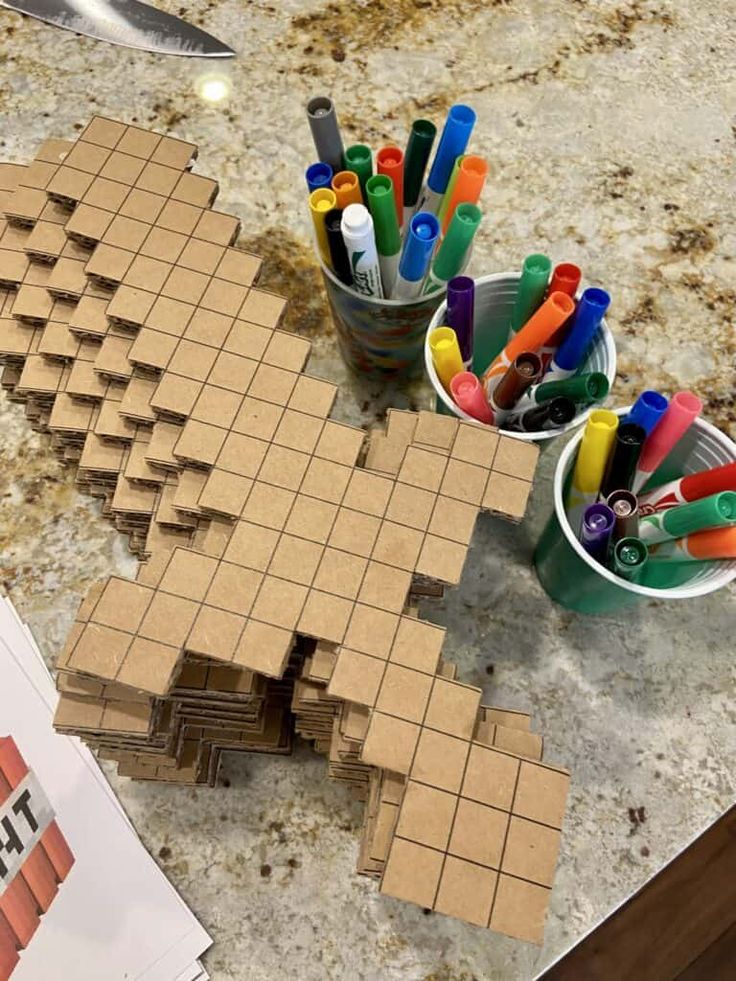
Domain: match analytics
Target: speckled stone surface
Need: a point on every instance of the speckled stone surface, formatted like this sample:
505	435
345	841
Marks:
608	129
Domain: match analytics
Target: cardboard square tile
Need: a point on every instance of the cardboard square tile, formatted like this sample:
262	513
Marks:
105	194
490	777
46	241
188	574
417	645
103	132
272	384
217	407
264	648
234	588
385	587
515	458
279	603
122	605
354	532
390	743
519	909
87	224
122	233
223	297
257	418
247	339
453	708
296	559
150	349
475	444
216	227
232	372
519	743
242	455
225	493
199	442
270	506
478	833
453	519
13	267
541	794
531	851
239	267
426	815
31	303
441	559
121	167
208	327
397	545
325	480
173	153
146	273
340	573
356	677
161	243
283	467
195	361
265	309
100	650
109	263
149	666
201	256
168	619
404	693
368	493
68	185
184	284
154	177
251	545
179	217
466	891
422	468
169	316
340	444
313	396
287	351
67	278
410	506
464	481
325	617
298	431
130	306
506	495
87	157
440	760
138	142
215	633
412	873
371	631
193	189
435	430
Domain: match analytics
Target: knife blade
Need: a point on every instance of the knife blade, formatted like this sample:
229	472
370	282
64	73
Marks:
128	22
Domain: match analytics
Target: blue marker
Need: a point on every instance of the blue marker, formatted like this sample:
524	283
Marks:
421	237
318	175
586	320
647	410
454	140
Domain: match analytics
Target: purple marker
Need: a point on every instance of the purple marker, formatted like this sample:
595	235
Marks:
595	530
461	313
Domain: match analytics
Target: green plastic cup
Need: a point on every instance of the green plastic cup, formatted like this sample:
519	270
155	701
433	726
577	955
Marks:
576	581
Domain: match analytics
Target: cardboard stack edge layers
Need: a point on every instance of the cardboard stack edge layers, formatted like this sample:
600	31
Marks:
280	550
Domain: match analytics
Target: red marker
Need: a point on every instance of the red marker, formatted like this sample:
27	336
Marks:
390	161
680	414
468	394
689	488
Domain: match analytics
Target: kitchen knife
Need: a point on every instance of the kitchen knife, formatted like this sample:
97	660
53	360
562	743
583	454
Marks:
127	22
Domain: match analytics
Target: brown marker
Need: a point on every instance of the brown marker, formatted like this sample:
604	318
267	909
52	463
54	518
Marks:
519	376
625	507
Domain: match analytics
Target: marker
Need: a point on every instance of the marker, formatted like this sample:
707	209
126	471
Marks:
549	415
623	458
468	394
595	530
629	558
390	161
590	464
320	202
346	188
468	186
419	243
358	159
336	244
648	410
590	311
565	278
454	139
540	326
689	488
583	389
442	210
461	314
417	154
360	243
325	131
530	293
709	512
625	507
524	371
445	355
716	543
318	175
684	407
455	246
382	203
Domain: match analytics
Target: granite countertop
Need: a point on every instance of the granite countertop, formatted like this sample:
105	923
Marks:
608	130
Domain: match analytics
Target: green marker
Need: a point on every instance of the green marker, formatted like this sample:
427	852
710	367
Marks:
450	259
450	188
358	159
590	387
709	512
629	558
417	154
532	285
382	203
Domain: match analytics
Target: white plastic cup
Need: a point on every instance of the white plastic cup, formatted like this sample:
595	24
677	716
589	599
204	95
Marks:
494	301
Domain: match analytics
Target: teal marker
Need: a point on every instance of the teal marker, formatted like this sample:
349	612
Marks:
450	258
629	558
382	204
532	286
358	159
709	512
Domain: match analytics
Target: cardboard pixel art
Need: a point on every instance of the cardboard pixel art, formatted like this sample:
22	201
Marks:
282	552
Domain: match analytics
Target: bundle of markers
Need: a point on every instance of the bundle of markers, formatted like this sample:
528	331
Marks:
629	528
534	383
390	234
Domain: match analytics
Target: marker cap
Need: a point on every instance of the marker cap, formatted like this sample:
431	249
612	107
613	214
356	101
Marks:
549	415
445	355
418	150
320	202
325	130
390	161
520	375
623	458
468	394
684	407
382	203
595	530
629	558
358	159
454	139
565	278
648	410
318	175
535	272
419	243
595	445
457	241
590	387
708	512
336	244
471	177
461	312
626	508
591	310
347	188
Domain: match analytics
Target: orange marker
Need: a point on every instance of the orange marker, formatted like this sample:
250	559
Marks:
471	177
390	161
346	186
535	333
714	543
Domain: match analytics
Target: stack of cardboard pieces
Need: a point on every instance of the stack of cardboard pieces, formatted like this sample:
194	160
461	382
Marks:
281	551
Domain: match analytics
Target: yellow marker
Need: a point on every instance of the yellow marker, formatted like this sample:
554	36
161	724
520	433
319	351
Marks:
446	355
320	202
595	446
347	189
